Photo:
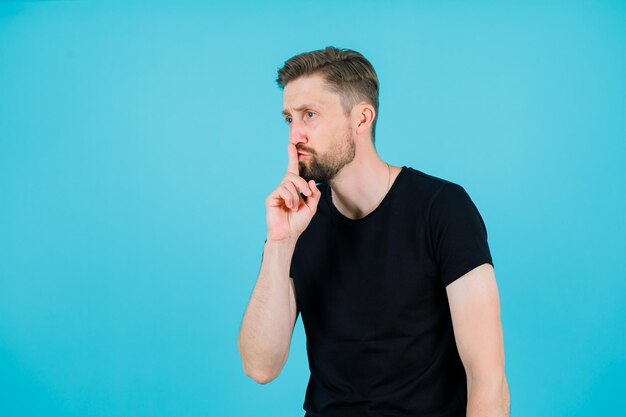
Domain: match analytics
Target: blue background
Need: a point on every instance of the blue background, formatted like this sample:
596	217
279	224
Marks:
138	141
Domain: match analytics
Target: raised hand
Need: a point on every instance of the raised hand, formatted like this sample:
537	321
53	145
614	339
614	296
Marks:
287	214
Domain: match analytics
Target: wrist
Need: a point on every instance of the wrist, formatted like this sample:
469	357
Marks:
281	243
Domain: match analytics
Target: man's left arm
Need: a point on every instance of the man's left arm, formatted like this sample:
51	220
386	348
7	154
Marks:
475	310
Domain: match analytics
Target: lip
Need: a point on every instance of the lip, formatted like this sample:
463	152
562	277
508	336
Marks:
302	155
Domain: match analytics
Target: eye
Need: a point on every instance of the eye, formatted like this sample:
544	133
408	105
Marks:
310	114
287	120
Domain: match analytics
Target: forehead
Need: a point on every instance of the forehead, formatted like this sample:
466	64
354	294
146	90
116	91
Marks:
308	90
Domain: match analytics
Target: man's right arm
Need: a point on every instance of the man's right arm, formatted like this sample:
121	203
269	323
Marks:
267	326
265	333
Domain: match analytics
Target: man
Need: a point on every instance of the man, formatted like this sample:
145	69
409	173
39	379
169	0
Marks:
388	266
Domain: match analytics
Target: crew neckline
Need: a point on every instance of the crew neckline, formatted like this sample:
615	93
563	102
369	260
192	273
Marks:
392	189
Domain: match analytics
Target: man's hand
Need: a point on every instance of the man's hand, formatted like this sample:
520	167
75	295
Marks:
287	214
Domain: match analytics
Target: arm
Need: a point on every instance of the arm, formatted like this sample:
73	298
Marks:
475	310
265	333
268	322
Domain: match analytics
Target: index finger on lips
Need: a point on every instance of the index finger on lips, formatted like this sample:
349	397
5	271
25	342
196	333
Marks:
293	159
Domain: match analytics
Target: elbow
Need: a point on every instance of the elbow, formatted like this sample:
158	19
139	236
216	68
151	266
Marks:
256	373
493	379
490	383
260	377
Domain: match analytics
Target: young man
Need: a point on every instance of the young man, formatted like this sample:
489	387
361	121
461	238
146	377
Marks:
389	266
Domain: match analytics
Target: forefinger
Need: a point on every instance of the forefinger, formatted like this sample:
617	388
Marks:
292	165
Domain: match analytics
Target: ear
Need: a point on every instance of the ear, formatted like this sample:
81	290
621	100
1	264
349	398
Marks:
364	114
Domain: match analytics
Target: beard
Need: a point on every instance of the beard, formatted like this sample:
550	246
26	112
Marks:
324	168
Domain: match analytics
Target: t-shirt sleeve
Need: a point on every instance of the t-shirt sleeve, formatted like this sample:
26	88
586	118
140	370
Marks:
458	233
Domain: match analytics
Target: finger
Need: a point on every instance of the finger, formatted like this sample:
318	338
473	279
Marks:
300	183
294	193
279	197
286	196
292	165
314	198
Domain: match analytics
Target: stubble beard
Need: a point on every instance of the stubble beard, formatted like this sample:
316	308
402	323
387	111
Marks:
325	167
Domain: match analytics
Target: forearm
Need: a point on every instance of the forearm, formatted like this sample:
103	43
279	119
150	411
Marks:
488	398
266	328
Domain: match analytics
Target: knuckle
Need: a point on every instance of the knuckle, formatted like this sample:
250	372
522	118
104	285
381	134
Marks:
294	177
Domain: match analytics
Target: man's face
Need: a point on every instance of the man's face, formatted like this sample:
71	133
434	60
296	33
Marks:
318	127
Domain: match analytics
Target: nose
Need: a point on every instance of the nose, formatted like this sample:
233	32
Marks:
297	132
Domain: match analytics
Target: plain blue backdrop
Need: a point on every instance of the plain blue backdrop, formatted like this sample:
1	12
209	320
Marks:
138	141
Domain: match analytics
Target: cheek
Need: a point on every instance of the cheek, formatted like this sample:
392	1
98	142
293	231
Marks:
317	128
333	131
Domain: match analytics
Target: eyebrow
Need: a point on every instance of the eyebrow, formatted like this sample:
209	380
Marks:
302	107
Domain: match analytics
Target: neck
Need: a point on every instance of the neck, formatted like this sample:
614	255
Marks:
361	185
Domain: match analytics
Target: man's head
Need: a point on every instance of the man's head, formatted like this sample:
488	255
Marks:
330	99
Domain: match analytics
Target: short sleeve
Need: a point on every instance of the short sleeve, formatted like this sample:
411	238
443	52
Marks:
458	233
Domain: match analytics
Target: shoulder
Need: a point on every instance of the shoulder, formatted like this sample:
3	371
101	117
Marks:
440	198
422	177
431	186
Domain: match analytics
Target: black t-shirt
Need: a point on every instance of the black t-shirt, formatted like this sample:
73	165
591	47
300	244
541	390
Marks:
371	294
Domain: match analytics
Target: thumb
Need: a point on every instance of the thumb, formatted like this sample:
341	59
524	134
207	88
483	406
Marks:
314	198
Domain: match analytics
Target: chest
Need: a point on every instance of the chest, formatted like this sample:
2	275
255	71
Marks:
362	283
